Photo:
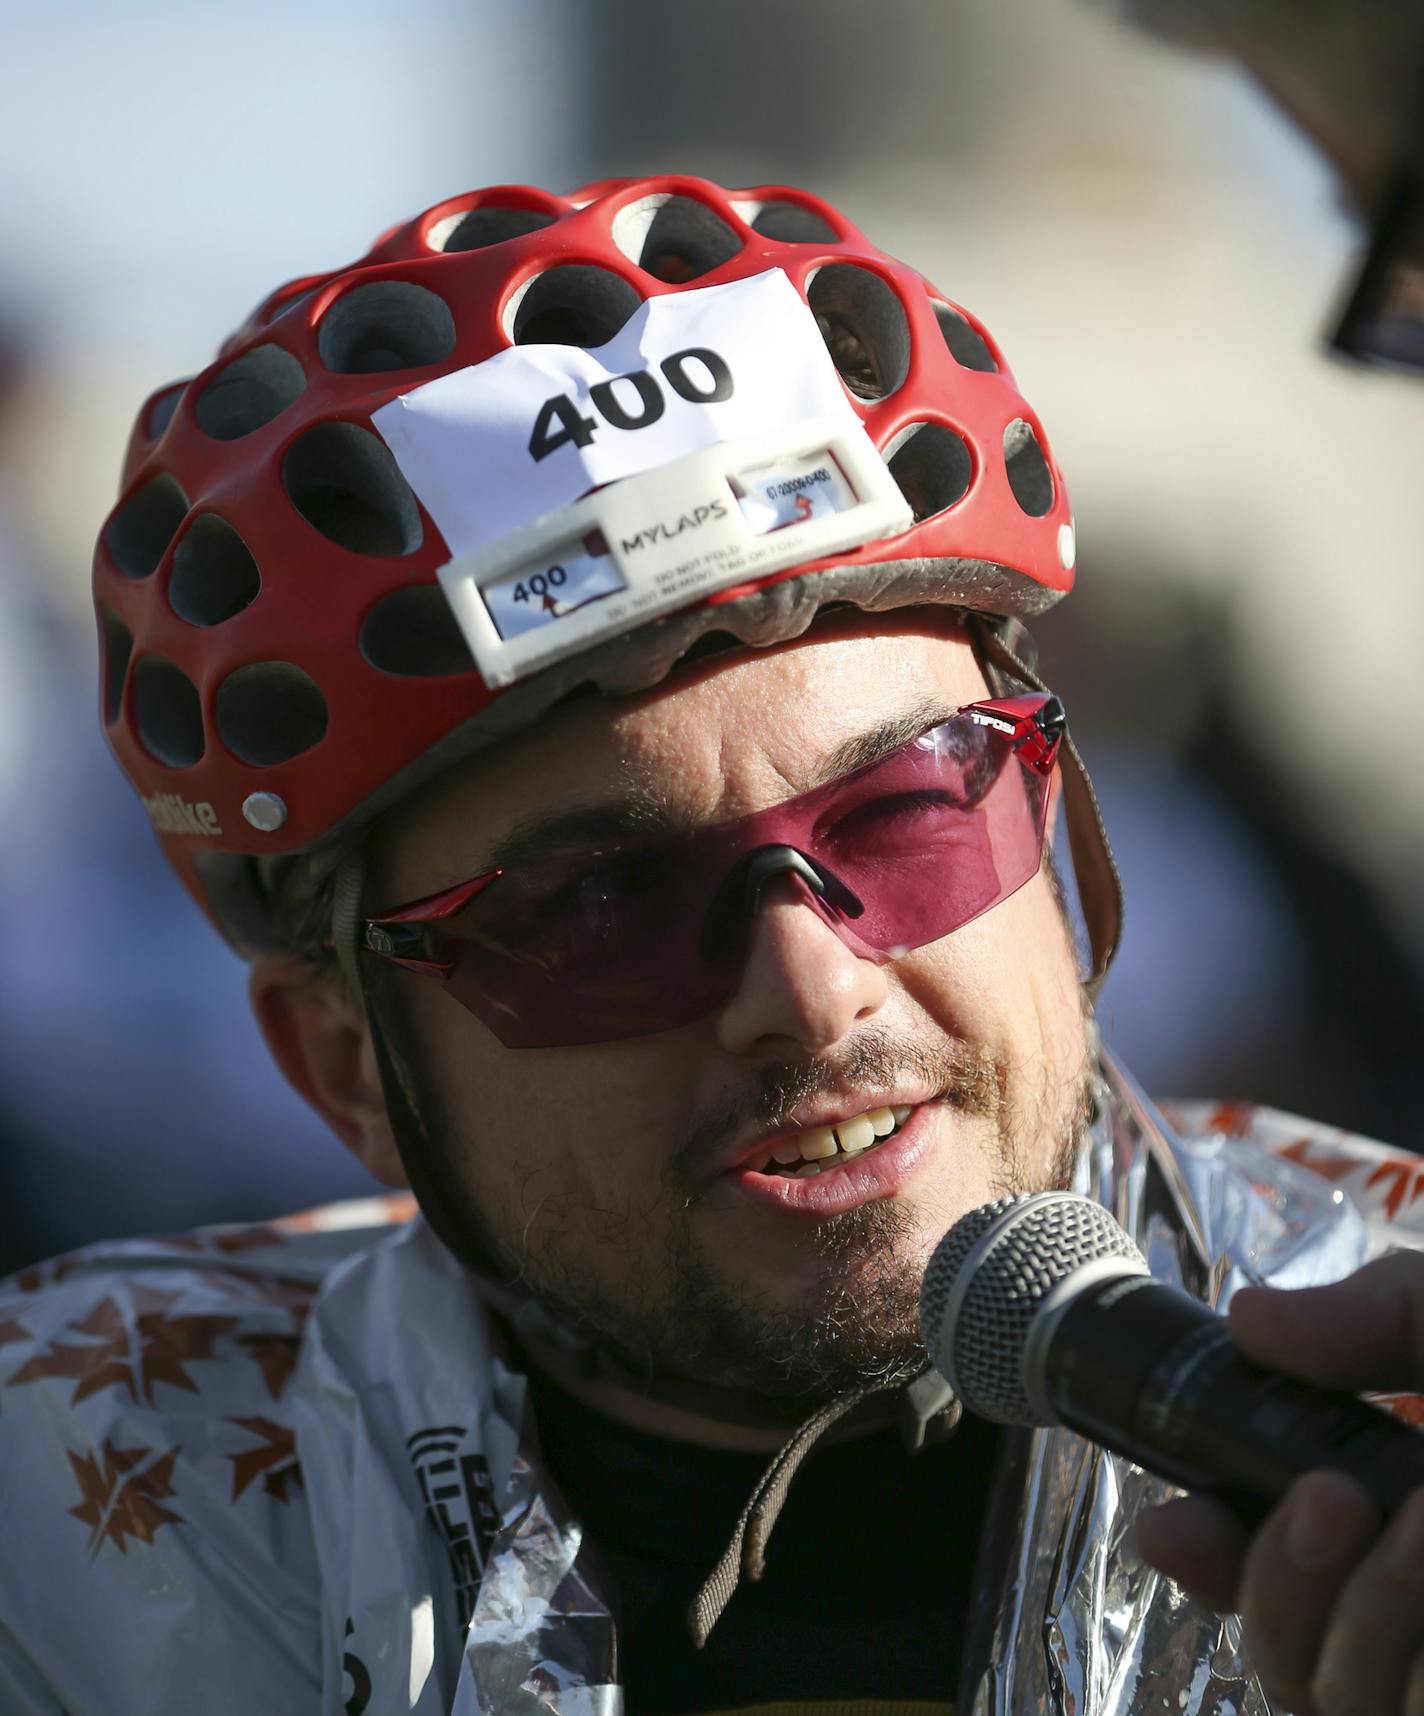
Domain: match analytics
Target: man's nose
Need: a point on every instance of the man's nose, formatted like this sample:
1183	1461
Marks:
801	987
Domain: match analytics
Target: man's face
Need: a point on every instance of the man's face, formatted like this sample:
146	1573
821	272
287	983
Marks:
613	1178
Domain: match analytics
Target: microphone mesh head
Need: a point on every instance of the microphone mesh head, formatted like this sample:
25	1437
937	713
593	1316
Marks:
1034	1241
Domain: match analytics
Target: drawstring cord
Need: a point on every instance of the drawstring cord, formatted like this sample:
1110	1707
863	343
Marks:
745	1555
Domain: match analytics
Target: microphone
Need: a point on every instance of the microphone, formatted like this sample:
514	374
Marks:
1040	1310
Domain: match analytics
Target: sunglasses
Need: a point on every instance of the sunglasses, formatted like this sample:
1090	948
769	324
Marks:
642	935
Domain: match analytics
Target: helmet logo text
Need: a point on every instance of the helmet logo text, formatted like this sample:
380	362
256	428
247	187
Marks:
170	813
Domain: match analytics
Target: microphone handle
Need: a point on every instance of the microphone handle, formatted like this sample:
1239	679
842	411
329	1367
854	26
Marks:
1154	1375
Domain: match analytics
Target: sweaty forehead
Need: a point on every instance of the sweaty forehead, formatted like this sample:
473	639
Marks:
732	736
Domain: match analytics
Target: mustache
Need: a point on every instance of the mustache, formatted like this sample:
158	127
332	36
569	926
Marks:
964	1076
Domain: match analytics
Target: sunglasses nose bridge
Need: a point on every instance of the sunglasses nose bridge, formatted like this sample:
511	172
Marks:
769	865
739	898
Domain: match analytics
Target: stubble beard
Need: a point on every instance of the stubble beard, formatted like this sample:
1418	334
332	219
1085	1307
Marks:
690	1317
859	1324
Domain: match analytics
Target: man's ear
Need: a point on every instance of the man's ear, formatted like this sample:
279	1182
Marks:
318	1037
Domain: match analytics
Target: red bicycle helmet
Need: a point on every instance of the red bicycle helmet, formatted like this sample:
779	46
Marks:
280	661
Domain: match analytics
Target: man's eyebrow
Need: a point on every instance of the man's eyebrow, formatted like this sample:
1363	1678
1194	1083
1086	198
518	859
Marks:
877	741
641	812
577	827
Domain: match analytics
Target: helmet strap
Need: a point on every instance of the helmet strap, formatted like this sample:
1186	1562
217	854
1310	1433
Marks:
346	927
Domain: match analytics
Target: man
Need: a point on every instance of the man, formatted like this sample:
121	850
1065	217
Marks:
575	654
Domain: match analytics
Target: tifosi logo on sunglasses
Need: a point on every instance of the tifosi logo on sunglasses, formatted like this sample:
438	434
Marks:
664	532
171	814
993	721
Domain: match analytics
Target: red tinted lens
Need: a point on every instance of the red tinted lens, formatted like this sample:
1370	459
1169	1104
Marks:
589	953
932	838
612	945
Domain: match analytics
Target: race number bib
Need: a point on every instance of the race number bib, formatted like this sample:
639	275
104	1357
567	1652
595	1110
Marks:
582	492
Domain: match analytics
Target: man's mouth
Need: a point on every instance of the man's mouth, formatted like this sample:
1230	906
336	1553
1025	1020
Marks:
800	1155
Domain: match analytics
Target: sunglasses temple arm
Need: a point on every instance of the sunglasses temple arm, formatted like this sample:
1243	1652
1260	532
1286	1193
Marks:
1099	883
402	935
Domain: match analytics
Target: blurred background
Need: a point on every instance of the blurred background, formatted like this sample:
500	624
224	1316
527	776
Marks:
1154	247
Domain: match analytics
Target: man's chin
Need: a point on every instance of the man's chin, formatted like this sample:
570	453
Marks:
837	1306
844	1313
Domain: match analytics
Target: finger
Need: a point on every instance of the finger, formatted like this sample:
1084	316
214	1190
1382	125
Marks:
1377	1630
1296	1567
1365	1332
1198	1543
1414	1700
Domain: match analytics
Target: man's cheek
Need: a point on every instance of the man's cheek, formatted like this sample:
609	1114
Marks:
558	1180
957	981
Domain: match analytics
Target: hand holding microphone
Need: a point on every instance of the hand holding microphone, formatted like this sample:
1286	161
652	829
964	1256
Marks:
1334	1607
1039	1310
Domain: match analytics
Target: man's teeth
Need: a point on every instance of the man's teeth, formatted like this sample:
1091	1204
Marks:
819	1147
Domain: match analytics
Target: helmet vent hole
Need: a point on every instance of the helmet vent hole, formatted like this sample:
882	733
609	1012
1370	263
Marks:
249	392
160	411
270	712
864	326
413	632
390	324
345	483
167	712
789	223
118	647
477	229
214	574
1029	475
674	238
966	344
932	466
573	305
141	529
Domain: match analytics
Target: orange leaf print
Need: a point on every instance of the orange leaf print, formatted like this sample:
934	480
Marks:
1409	1407
1233	1118
1319	1158
103	1362
121	1495
168	1344
277	1356
133	1352
46	1274
1408	1178
275	1462
240	1238
289	1293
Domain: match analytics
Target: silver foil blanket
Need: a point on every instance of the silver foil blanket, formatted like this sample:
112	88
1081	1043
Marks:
1070	1621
